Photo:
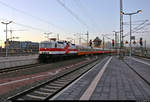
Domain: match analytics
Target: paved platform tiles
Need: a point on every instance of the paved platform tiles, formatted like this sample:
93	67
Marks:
118	82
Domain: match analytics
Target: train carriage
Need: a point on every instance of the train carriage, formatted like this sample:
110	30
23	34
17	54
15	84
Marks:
59	50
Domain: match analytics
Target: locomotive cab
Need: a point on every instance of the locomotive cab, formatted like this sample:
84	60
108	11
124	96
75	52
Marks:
52	50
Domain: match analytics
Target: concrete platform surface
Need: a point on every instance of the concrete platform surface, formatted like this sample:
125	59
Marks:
6	62
15	58
113	80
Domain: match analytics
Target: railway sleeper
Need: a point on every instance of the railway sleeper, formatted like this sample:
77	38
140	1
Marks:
52	87
28	97
57	85
41	92
35	97
64	79
37	94
47	89
60	81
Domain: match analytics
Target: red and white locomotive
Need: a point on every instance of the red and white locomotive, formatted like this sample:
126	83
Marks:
59	50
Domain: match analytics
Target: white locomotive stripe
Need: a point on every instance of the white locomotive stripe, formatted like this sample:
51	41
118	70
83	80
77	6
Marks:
88	93
57	52
72	51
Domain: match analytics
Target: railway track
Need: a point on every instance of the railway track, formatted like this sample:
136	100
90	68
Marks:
12	69
51	87
17	68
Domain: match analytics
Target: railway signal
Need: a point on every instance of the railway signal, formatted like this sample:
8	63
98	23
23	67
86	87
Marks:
134	42
113	43
90	43
141	42
126	42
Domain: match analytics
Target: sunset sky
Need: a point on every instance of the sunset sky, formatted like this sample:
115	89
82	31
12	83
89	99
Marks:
32	18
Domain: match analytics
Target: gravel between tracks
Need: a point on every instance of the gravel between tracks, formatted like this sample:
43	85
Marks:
41	68
32	71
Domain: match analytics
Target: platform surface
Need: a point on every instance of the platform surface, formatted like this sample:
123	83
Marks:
111	79
7	62
16	58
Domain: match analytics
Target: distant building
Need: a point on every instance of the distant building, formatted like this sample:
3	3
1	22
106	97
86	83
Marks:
13	45
29	46
23	46
97	42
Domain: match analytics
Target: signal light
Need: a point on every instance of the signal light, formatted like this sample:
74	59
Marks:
126	42
90	43
141	42
113	43
134	42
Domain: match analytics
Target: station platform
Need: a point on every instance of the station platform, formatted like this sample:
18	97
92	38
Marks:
111	79
6	62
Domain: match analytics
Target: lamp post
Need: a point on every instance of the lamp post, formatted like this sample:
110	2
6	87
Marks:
87	38
104	36
6	36
130	14
116	41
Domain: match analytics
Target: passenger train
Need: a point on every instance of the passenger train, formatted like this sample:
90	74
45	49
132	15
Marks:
59	50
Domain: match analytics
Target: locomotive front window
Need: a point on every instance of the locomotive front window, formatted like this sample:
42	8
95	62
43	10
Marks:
45	45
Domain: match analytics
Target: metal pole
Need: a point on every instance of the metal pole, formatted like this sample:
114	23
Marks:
6	37
103	43
145	52
58	37
115	40
130	36
118	44
87	38
121	26
6	41
74	41
79	39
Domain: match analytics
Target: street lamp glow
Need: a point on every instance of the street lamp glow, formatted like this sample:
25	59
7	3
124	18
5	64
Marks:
139	11
7	22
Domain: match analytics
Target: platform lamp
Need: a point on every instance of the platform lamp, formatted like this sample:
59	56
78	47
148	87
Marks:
130	14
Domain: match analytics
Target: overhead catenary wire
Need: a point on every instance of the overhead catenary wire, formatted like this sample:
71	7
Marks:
140	25
27	26
85	12
73	14
137	28
23	25
33	16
